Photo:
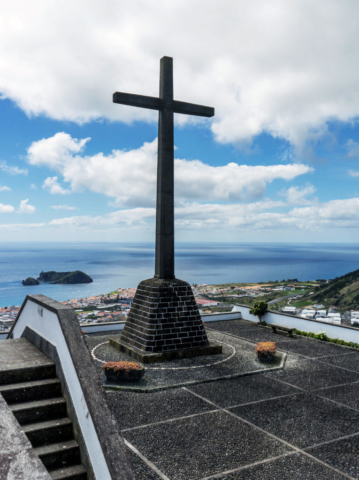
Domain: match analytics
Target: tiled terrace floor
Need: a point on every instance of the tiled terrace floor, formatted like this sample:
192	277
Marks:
298	423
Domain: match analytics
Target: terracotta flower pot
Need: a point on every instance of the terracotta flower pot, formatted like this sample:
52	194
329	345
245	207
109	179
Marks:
265	358
123	375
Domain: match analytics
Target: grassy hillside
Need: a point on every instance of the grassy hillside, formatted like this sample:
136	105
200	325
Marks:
342	292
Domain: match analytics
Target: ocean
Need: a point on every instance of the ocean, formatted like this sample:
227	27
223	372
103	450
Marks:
114	265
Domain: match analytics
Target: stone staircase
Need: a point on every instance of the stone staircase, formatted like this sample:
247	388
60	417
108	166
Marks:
33	394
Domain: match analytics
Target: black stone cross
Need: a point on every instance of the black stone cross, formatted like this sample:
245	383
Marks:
164	262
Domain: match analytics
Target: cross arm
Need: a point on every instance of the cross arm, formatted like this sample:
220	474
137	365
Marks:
192	109
133	100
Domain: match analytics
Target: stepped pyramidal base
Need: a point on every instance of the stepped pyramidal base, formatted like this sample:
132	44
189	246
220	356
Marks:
164	324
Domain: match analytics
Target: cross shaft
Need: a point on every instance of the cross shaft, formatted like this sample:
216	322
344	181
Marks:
167	106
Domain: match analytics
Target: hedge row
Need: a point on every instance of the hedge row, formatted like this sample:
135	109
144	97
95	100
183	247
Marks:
323	336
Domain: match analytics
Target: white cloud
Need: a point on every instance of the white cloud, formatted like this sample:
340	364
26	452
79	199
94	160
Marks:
281	67
353	173
25	207
4	189
63	207
21	226
6	208
52	151
298	195
264	215
54	187
33	186
130	176
353	149
132	217
12	170
334	213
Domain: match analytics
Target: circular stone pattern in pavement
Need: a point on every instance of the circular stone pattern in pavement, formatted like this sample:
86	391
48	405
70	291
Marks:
238	358
214	361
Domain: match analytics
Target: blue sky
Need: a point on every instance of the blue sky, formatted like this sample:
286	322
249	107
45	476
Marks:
279	161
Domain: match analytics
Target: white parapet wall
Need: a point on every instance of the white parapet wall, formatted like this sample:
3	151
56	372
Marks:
56	325
217	317
118	326
348	334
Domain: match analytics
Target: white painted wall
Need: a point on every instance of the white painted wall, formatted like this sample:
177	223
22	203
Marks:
342	332
216	317
113	326
48	327
103	327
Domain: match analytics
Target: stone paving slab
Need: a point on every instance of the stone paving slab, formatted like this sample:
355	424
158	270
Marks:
312	349
209	443
143	471
133	409
302	420
311	375
237	391
342	454
292	467
253	333
238	358
349	361
203	445
20	353
346	394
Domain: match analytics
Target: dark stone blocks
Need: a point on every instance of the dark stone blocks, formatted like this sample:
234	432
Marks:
242	390
341	454
128	407
302	420
164	318
292	467
203	445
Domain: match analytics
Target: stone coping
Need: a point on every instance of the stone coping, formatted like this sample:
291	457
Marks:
17	456
105	425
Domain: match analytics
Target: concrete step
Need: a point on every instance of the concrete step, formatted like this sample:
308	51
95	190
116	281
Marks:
51	431
39	410
70	473
59	455
27	374
29	391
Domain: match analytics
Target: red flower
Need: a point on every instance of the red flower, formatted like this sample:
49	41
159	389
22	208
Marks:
266	348
121	366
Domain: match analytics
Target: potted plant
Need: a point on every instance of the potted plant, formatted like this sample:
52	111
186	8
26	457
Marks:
259	309
265	351
127	371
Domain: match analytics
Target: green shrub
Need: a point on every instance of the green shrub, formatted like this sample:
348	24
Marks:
259	309
322	336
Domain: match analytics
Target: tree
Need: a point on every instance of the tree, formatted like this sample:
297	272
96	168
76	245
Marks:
259	309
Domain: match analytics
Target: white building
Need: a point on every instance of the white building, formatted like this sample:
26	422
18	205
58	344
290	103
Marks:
354	318
291	310
333	320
